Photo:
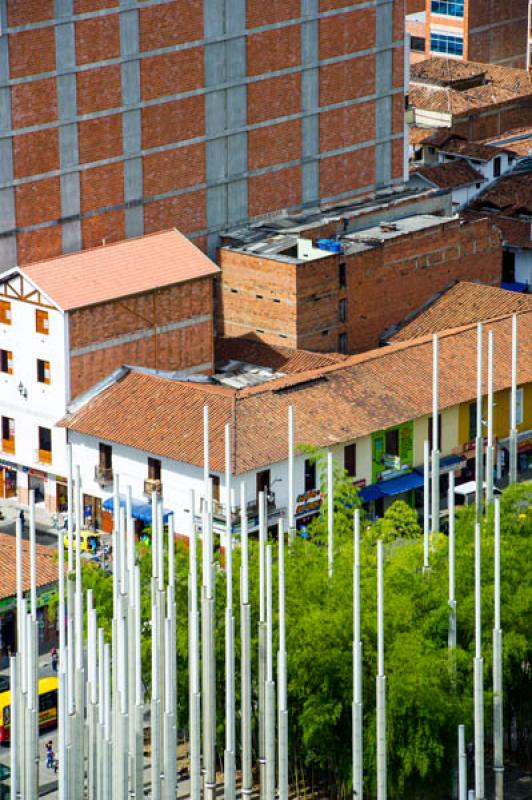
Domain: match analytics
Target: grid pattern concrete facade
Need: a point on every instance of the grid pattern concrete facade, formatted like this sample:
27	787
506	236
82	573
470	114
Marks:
123	117
492	31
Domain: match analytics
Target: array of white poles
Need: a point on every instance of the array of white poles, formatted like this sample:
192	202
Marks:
101	697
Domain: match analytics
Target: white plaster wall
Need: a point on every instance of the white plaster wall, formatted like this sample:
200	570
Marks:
45	404
523	265
449	434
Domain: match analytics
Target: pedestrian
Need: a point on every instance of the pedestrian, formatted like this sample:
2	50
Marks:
21	517
56	765
49	754
54	659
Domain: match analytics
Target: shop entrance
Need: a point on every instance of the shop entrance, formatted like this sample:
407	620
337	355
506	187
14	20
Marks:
61	497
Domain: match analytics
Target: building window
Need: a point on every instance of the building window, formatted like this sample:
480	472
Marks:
342	310
342	277
342	343
429	435
106	456
508	266
449	45
496	167
41	321
472	421
154	469
215	487
5	312
350	459
45	445
43	371
310	475
6	361
263	481
8	435
417	43
392	442
449	8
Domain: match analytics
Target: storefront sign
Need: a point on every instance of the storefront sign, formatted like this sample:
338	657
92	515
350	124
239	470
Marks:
38	474
394	473
392	462
470	447
308	501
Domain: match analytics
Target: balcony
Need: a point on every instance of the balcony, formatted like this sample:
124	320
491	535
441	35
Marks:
152	485
44	456
8	446
103	475
252	511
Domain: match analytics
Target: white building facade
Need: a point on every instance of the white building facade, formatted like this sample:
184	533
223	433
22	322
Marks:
34	394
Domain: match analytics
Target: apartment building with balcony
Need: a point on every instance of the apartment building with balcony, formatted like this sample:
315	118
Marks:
66	322
372	411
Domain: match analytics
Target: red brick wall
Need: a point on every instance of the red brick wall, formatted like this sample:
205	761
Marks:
176	349
384	284
172	122
494	120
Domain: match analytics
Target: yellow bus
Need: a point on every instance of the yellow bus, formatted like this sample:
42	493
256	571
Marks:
47	708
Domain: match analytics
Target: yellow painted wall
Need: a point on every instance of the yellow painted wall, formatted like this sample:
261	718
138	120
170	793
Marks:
501	415
449	433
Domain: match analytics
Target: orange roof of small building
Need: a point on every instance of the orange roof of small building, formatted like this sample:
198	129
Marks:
519	141
125	268
339	403
450	174
461	304
46	565
274	357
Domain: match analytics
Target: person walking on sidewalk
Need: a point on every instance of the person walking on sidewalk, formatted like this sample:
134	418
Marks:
54	659
49	755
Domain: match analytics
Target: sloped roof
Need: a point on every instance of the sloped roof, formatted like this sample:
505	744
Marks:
120	269
46	566
461	304
450	175
334	404
276	358
508	204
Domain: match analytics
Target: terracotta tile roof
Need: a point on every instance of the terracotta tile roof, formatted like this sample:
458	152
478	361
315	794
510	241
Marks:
460	305
120	269
46	565
368	392
440	84
519	141
483	152
508	203
418	135
278	359
450	175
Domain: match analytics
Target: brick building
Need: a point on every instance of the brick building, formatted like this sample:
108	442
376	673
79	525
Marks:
66	323
121	117
477	30
284	289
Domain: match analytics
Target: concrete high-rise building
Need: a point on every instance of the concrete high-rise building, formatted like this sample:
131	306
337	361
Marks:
489	31
122	117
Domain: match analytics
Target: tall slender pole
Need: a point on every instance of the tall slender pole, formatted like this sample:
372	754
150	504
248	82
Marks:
245	636
193	660
206	449
229	754
513	405
269	712
330	513
479	441
478	677
70	507
490	449
281	677
435	438
426	504
381	681
358	775
14	742
262	644
452	595
33	564
498	731
462	764
291	485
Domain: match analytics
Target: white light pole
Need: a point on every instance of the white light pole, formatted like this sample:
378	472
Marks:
330	513
498	730
513	405
478	666
490	449
435	438
358	775
381	681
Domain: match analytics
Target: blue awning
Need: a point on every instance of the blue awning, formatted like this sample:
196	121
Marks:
371	492
515	287
405	483
139	509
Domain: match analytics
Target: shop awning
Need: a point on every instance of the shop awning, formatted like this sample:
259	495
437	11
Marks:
371	492
405	483
515	287
139	509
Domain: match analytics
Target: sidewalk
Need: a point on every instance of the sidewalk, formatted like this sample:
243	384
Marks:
43	519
